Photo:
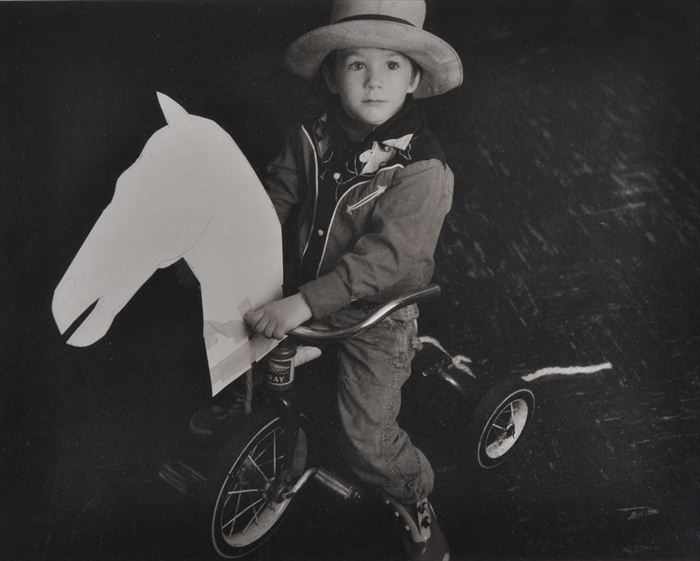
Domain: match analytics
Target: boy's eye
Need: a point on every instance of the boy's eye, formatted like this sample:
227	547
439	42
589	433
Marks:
356	65
393	65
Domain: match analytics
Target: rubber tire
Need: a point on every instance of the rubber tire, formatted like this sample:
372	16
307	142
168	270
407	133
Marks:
490	406
229	464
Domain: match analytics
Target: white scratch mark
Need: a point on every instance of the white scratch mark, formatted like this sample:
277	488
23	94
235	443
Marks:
566	371
635	512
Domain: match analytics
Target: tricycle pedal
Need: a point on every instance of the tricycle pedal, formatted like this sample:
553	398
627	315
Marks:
339	486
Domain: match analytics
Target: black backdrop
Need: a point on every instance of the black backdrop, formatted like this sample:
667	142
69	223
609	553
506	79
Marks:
573	240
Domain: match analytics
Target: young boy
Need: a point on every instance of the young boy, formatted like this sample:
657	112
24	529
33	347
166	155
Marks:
364	190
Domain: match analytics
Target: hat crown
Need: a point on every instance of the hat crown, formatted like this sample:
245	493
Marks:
410	11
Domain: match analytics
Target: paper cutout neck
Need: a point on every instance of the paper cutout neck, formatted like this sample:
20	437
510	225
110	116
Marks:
190	194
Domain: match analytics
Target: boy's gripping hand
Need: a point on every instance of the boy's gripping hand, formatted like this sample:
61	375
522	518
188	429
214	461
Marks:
278	317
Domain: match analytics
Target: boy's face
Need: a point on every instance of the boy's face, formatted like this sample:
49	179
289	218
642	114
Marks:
372	83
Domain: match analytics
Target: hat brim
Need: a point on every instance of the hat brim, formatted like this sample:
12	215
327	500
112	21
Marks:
440	63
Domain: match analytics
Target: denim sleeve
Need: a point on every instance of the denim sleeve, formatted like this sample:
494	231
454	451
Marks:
396	254
282	178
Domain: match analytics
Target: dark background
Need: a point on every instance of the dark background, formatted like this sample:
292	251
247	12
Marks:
573	240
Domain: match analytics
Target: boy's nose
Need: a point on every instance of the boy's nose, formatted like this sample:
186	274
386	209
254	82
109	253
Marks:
373	79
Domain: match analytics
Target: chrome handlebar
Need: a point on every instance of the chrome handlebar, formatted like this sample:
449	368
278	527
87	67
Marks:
318	332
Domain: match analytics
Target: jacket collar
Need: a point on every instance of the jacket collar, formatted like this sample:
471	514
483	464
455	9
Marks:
386	144
408	120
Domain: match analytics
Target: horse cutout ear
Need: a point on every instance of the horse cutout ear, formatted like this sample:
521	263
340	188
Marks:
172	111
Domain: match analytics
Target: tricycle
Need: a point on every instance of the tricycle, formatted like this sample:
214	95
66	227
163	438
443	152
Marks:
246	475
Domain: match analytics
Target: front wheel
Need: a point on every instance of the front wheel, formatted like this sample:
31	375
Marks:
249	485
499	422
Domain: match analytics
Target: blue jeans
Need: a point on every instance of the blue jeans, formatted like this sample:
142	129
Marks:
373	366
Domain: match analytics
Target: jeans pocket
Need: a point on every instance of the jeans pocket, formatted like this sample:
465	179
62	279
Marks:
406	333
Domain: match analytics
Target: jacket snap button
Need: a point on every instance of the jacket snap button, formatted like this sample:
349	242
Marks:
320	233
336	176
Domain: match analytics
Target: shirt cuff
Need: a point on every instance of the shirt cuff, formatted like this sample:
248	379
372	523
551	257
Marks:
325	295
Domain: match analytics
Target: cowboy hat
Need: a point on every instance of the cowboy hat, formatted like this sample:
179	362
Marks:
386	24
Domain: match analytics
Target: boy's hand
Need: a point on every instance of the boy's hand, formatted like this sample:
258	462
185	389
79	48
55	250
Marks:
277	318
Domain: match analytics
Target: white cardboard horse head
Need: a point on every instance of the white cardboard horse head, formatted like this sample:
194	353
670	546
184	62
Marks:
190	194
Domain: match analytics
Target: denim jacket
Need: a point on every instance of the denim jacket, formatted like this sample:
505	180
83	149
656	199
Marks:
377	239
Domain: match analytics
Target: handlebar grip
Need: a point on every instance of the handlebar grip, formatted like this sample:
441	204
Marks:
324	334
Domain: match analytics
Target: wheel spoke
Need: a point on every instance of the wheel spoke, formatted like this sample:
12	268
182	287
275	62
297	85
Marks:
235	511
254	518
257	467
243	491
254	451
265	449
241	513
260	455
236	487
257	456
